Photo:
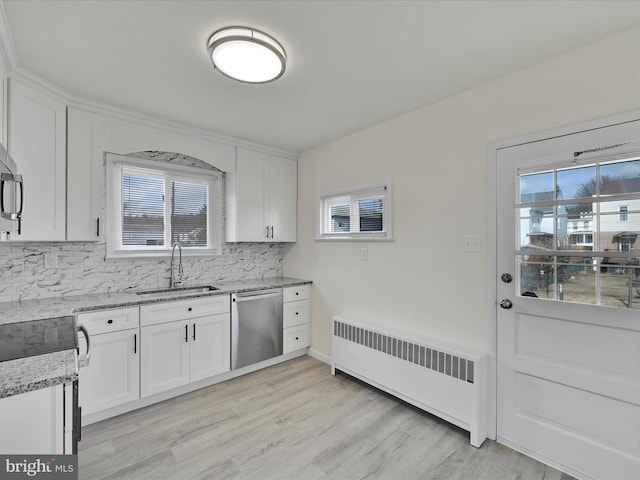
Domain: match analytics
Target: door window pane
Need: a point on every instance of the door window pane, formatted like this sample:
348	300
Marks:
537	280
536	187
536	227
620	177
577	283
616	235
576	183
620	286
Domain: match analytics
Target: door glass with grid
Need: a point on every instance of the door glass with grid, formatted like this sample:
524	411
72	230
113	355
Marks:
578	227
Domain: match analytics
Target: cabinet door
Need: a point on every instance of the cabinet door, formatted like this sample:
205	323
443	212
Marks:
86	143
282	204
209	349
164	357
37	143
250	196
113	375
33	422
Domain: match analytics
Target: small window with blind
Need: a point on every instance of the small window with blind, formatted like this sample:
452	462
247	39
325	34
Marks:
360	213
151	206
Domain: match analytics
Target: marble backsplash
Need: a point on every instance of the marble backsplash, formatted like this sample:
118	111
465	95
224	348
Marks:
82	268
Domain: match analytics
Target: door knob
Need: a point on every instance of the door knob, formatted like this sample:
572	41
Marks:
506	304
506	277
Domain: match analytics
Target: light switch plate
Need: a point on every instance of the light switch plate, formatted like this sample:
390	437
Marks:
471	243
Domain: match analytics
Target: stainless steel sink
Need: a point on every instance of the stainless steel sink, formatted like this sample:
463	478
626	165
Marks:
179	290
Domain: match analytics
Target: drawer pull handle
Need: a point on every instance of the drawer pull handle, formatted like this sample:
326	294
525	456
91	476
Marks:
135	343
110	321
186	333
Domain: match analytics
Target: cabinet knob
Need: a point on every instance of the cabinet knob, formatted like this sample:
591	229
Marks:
297	338
297	293
297	313
110	321
189	309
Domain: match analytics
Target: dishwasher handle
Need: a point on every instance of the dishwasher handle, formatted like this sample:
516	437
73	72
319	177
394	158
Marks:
259	296
83	360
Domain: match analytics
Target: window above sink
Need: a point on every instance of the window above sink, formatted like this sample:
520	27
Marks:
153	205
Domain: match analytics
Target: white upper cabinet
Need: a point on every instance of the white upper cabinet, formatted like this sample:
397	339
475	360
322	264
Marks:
262	198
90	135
37	142
86	142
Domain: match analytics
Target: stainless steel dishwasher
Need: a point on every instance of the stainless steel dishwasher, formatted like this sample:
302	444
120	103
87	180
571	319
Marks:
256	327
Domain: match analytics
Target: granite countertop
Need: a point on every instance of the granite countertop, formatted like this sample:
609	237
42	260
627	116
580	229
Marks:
41	371
70	304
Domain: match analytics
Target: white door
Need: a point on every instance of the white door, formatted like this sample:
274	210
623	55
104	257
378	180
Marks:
568	318
209	349
164	361
113	375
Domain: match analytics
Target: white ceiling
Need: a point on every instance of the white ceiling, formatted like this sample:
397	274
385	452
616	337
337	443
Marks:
351	64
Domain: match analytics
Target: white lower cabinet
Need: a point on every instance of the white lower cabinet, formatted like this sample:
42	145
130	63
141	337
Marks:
112	377
165	358
34	422
182	349
209	352
295	318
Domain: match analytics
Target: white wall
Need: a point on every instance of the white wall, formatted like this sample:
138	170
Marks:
437	158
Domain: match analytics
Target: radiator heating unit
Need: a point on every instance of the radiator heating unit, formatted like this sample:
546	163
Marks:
445	380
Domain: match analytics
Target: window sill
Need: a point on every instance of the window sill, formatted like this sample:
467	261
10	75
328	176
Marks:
162	254
354	239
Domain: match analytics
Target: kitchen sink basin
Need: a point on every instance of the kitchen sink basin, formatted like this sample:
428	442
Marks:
179	290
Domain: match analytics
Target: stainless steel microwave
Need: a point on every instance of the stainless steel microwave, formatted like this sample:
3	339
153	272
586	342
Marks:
11	196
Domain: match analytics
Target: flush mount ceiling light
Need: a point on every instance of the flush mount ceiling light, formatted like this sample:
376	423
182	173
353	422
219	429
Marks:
247	54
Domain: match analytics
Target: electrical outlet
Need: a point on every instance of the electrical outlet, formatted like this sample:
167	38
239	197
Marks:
50	260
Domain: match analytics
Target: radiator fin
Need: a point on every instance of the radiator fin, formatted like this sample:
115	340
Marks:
444	363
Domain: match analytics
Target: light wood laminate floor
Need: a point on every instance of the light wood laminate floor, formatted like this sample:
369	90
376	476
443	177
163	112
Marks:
293	421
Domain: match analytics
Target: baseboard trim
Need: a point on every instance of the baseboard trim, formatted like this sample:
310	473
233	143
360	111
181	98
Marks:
319	356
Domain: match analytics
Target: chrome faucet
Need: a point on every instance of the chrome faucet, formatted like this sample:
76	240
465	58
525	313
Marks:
172	281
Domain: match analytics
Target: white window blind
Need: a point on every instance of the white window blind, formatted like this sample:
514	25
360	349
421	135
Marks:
361	213
151	208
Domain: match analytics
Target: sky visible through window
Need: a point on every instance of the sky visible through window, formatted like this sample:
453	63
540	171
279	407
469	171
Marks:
572	179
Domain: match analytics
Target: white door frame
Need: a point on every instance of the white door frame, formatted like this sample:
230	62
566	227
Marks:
492	303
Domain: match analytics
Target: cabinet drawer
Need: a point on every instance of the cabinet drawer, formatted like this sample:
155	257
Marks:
183	309
295	313
295	338
292	294
114	320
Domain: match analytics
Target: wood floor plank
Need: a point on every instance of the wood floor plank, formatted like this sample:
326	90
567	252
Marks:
292	421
